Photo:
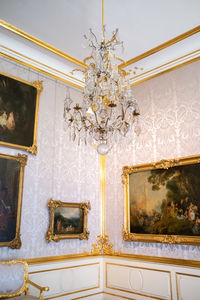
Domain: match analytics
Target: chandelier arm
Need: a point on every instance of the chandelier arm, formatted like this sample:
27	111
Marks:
87	58
94	37
96	119
122	112
118	58
107	122
114	39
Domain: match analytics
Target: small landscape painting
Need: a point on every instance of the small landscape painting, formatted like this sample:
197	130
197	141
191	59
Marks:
67	220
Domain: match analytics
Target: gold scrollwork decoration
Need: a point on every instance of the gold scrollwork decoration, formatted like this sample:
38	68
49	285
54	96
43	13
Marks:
102	246
16	243
38	85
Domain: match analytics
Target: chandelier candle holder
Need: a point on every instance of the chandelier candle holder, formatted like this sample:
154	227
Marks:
109	110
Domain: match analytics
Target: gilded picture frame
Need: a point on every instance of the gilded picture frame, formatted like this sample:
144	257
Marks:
161	201
67	220
19	104
11	191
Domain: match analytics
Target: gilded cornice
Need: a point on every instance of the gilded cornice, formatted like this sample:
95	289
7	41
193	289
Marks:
71	81
161	46
40	43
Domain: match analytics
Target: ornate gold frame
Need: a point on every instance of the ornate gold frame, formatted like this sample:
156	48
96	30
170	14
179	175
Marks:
38	86
22	159
163	164
51	236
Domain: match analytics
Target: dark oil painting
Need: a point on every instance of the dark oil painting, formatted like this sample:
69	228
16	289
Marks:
166	201
68	220
9	191
17	111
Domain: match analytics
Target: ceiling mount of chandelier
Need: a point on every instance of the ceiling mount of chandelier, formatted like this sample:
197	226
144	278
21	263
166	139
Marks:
108	111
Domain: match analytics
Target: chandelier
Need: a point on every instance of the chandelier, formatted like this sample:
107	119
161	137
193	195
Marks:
109	110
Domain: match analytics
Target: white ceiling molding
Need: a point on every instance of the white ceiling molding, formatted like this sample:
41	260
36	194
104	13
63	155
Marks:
176	55
30	51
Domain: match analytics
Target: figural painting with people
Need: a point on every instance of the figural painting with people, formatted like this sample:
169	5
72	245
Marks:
166	201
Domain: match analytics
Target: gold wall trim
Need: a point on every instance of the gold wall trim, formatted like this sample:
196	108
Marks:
136	293
102	196
39	260
161	46
40	43
118	296
166	71
63	268
144	258
157	259
70	293
41	70
83	297
135	267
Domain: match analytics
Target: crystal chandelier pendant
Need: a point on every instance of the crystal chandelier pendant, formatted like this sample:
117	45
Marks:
109	110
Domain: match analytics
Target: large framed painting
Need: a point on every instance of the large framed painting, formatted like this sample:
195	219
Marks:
11	190
162	201
67	220
19	102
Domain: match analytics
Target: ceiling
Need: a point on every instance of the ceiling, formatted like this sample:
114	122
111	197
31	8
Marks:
143	25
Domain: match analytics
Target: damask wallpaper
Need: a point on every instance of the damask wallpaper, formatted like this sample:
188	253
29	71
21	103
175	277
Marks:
61	170
170	123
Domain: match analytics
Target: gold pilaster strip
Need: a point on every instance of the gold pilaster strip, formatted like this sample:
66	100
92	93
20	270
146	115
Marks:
102	196
40	43
102	13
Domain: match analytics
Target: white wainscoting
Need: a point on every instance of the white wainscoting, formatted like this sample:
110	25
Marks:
70	279
132	279
115	278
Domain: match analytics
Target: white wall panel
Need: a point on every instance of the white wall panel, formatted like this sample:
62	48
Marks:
134	279
138	280
188	287
68	278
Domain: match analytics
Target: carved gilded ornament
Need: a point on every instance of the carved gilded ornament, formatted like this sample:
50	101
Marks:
101	247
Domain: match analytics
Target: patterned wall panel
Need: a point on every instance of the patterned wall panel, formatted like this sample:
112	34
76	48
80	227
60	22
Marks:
170	122
60	170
